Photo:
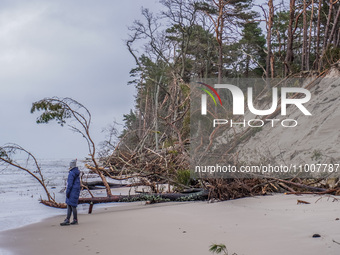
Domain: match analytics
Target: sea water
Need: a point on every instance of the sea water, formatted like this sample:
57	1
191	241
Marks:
20	193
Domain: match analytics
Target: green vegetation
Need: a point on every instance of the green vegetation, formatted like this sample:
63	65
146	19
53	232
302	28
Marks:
316	155
219	248
183	177
145	197
191	40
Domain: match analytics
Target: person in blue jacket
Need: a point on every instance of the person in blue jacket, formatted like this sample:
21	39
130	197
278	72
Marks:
72	194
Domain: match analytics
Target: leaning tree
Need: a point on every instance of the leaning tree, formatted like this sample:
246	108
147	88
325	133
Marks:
62	109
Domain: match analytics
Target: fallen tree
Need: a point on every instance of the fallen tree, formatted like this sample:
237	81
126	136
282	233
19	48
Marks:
151	198
99	185
222	189
158	197
6	158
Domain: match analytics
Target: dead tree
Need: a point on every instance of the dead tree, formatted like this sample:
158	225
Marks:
194	194
60	109
6	158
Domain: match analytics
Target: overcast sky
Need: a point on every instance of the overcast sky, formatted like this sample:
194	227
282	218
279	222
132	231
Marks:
67	49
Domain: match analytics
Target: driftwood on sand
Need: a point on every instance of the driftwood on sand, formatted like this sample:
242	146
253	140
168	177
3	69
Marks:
152	198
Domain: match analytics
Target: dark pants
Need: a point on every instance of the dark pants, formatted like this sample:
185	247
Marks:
70	210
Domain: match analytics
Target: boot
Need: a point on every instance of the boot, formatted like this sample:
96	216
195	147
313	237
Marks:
65	223
74	222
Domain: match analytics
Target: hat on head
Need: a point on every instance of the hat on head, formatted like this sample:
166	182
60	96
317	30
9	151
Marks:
73	163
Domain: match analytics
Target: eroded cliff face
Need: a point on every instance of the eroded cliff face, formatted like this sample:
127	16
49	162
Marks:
315	139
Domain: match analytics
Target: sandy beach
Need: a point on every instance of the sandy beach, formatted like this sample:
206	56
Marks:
251	226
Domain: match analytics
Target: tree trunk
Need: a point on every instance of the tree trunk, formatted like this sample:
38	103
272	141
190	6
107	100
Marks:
202	195
156	113
326	37
220	63
98	185
247	66
290	39
269	65
220	40
304	41
146	111
317	51
310	38
335	24
102	177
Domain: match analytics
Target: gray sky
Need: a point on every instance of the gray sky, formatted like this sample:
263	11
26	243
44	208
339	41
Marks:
67	49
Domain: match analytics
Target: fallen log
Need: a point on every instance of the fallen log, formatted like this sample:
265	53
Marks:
53	204
158	197
300	185
154	198
99	184
192	190
330	191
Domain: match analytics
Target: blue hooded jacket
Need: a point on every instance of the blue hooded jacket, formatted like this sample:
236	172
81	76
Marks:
73	187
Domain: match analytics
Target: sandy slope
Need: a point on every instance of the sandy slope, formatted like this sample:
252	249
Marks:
260	225
316	138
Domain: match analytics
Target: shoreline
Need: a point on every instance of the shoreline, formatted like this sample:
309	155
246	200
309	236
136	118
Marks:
12	216
252	226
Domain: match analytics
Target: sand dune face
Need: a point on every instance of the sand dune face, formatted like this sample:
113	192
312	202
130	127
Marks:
314	140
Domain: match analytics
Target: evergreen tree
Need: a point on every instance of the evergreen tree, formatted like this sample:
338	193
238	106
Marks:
252	44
